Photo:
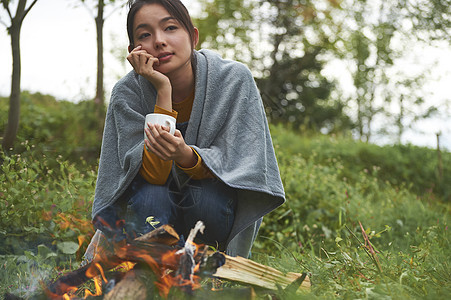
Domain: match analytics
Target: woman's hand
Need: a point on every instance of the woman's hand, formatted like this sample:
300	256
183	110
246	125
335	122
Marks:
144	63
169	147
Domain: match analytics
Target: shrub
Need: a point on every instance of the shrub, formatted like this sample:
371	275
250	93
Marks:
412	167
58	128
44	201
318	231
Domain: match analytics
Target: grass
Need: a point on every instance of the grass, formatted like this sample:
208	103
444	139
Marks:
358	232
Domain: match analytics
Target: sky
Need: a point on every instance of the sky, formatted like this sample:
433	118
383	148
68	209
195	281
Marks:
58	48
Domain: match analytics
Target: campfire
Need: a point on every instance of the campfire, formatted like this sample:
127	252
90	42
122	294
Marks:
155	262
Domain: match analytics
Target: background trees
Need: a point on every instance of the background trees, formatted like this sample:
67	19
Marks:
283	43
15	25
97	9
290	44
293	46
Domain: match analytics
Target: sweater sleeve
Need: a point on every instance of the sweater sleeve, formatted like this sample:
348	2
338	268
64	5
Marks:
199	171
153	169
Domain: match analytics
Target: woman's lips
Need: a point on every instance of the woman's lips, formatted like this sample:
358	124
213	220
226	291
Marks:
165	57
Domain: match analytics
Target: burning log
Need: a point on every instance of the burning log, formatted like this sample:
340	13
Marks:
156	257
154	244
187	263
164	234
134	285
246	271
149	253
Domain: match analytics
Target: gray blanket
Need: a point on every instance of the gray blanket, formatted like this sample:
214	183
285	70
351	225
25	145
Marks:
227	127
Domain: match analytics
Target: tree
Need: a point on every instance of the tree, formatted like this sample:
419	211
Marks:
269	36
99	7
375	35
430	19
409	100
295	90
288	44
366	39
14	29
225	26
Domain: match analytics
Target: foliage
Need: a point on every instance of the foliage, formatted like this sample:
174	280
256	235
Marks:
318	229
44	201
331	183
45	221
223	23
430	18
408	166
289	65
23	275
14	29
291	45
373	37
54	127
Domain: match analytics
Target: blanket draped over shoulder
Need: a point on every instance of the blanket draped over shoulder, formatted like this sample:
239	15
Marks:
227	127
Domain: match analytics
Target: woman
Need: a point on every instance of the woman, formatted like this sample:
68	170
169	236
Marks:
218	167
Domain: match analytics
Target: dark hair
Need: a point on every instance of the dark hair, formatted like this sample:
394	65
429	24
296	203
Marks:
174	7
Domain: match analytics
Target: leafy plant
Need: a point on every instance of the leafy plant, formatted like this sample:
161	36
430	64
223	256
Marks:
364	221
44	200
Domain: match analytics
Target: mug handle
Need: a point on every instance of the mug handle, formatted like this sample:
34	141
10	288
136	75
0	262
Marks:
171	126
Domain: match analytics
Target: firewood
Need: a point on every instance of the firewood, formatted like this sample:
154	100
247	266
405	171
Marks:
149	253
134	285
187	262
246	271
73	279
164	234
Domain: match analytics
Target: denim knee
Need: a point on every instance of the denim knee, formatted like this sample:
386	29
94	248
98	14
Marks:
215	204
147	202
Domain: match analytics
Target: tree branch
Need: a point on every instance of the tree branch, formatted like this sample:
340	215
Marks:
6	25
88	9
114	10
6	6
29	8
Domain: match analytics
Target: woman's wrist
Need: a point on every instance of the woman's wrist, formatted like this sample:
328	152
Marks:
188	159
164	97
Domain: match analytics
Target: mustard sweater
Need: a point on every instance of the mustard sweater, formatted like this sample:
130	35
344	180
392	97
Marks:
155	170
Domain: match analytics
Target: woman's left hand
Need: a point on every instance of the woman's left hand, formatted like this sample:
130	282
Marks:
169	147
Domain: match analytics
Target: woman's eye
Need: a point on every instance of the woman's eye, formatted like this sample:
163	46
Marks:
144	35
172	27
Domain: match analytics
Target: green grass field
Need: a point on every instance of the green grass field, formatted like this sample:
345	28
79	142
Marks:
364	221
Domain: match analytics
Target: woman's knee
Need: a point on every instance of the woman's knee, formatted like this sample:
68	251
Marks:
215	206
148	203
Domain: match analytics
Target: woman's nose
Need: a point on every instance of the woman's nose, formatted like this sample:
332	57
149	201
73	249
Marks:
159	40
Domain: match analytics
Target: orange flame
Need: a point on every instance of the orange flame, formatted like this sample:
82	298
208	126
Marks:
167	276
70	293
168	280
124	267
98	286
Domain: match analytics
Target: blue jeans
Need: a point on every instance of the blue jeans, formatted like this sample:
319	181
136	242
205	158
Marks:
181	204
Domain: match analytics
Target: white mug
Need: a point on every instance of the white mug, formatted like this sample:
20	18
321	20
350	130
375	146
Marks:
160	119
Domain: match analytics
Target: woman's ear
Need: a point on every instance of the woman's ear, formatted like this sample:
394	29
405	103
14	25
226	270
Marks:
196	37
130	48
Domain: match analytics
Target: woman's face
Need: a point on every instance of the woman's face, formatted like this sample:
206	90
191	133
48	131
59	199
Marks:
163	37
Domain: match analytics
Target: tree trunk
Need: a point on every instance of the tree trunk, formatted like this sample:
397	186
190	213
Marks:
99	99
14	98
